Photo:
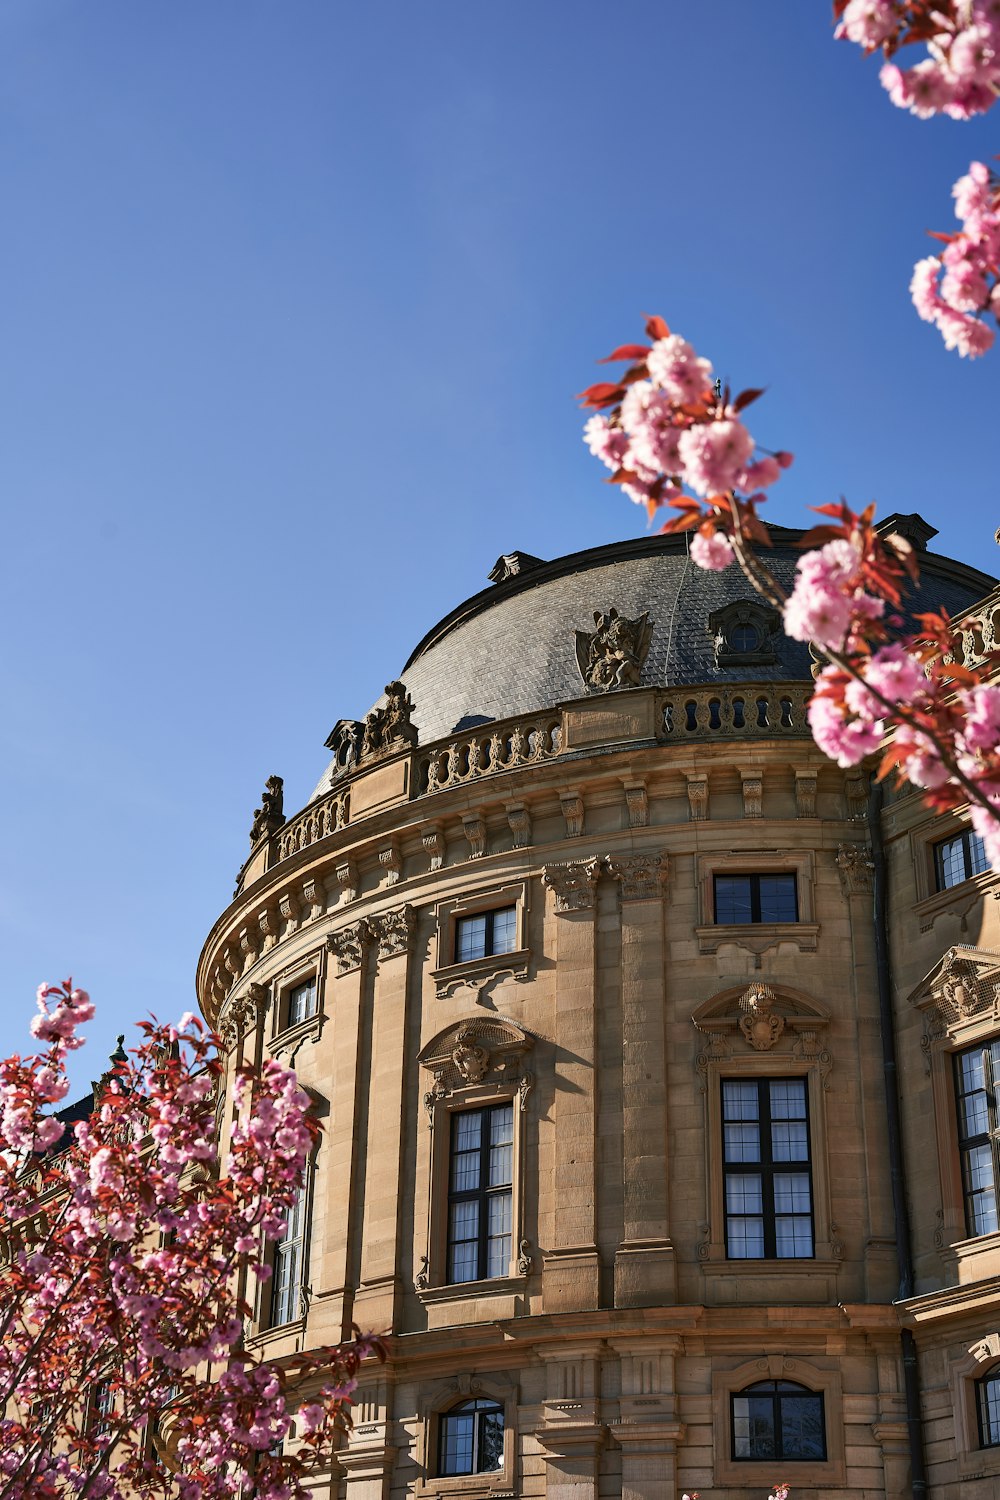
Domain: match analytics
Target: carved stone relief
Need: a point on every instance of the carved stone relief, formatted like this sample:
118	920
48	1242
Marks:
753	794
637	804
348	945
697	790
391	861
390	728
270	815
475	833
805	795
519	822
394	930
759	1023
433	842
572	811
471	1061
613	655
854	862
641	876
574	884
347	878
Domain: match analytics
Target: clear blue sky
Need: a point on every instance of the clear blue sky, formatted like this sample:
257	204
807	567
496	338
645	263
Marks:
296	297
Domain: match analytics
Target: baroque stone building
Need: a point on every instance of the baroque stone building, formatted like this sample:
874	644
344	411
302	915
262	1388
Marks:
599	973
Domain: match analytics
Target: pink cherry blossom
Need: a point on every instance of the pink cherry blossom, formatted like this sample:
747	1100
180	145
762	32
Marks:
712	552
713	454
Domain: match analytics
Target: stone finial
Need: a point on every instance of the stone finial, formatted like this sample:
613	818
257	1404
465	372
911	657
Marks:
270	815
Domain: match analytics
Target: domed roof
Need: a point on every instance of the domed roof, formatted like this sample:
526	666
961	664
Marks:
512	648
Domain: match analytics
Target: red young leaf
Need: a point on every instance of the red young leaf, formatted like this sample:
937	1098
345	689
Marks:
625	351
602	394
745	397
656	328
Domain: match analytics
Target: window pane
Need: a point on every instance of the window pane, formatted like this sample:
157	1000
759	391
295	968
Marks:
950	863
465	1172
301	1002
745	1239
468	1130
742	1142
777	898
743	1194
788	1099
974	1112
791	1193
979	1168
753	1427
470	938
793	1239
789	1142
456	1444
739	1101
989	1411
504	930
978	861
490	1442
801	1420
732	899
973	1072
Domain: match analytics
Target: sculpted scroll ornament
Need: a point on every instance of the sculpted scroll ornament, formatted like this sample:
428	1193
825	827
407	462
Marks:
613	656
641	875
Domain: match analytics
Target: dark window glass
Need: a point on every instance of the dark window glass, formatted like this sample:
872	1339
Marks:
286	1277
776	1419
479	1197
976	1072
743	638
959	859
755	898
988	1403
302	1002
471	1438
768	1184
486	933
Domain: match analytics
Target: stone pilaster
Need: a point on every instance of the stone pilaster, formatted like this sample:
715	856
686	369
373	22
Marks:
647	1429
377	1300
645	1273
571	1271
571	1433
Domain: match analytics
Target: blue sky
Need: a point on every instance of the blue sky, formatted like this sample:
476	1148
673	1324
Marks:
296	297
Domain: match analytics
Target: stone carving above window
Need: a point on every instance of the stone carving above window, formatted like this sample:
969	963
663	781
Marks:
759	1022
761	1018
964	986
487	1049
746	634
613	655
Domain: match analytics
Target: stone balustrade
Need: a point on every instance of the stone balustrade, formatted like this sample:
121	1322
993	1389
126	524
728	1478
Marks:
748	711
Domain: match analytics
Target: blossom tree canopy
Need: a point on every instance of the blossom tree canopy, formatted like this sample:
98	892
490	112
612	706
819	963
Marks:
957	289
129	1245
672	437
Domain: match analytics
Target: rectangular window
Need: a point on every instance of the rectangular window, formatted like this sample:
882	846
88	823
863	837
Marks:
286	1281
302	1001
975	1073
768	1184
755	898
988	1393
959	858
485	933
480	1199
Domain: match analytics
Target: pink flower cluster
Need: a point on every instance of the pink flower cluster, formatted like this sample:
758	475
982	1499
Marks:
829	600
672	429
954	289
127	1242
960	75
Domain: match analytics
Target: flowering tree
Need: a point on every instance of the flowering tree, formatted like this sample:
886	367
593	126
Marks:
671	436
123	1366
959	76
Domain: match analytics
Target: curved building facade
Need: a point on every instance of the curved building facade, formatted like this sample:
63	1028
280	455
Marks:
578	946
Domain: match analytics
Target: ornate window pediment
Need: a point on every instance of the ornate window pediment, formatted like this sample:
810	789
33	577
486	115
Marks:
759	1017
479	1050
964	986
745	633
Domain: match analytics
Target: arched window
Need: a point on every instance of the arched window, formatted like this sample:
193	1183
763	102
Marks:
988	1407
470	1438
778	1419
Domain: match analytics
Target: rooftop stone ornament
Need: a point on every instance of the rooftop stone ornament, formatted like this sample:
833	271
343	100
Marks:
613	655
270	815
389	728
